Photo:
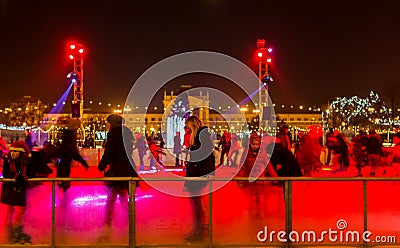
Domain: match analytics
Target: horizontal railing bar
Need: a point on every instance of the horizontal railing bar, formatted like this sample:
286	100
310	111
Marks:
308	179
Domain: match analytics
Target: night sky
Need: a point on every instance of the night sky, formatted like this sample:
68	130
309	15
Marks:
322	49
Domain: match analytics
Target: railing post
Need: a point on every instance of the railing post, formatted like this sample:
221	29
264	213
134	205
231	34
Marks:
210	230
288	210
132	213
53	214
365	198
98	155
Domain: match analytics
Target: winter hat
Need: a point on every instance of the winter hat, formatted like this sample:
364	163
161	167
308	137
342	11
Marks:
20	146
115	120
254	136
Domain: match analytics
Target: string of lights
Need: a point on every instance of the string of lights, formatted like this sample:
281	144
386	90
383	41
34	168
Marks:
356	110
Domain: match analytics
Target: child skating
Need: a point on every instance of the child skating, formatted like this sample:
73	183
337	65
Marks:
13	194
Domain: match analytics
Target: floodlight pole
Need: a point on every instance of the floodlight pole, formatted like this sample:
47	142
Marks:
77	53
262	53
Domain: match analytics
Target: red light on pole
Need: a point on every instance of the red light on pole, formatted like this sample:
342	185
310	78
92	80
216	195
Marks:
260	43
269	60
260	54
72	46
81	50
71	56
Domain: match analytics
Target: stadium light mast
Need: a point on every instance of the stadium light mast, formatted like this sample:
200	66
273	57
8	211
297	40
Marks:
76	55
265	79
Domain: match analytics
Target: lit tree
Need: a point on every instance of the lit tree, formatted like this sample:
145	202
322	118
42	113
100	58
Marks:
391	94
358	111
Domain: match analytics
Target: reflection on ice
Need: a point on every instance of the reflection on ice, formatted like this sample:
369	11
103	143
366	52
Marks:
93	200
100	200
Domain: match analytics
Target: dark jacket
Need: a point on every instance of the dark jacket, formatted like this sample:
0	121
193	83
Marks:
13	193
119	160
68	151
202	160
289	166
374	145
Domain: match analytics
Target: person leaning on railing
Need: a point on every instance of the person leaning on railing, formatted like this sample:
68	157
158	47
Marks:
200	164
117	162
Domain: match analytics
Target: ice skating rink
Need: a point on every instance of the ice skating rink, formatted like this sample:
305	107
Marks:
238	216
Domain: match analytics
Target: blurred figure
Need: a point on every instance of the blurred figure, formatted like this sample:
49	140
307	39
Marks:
186	142
117	162
155	155
245	140
89	142
3	150
200	164
359	147
68	151
233	155
142	148
162	143
3	146
28	139
283	136
341	158
297	145
284	162
330	144
396	153
13	194
225	145
38	165
178	149
374	151
310	152
251	169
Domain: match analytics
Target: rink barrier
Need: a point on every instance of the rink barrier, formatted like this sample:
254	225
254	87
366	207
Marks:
132	206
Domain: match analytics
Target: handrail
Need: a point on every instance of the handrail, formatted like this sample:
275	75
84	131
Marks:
307	179
287	196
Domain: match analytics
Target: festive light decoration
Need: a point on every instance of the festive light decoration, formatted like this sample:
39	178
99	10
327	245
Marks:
356	110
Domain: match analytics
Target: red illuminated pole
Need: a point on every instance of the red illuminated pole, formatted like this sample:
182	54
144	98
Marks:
263	60
76	54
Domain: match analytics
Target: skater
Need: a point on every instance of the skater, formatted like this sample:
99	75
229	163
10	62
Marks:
116	162
310	151
201	163
234	151
178	149
396	153
3	147
254	190
142	148
284	137
330	144
155	152
359	147
186	143
68	152
13	194
3	150
284	161
225	145
340	158
374	150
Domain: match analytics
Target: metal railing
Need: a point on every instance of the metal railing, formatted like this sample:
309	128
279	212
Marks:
209	243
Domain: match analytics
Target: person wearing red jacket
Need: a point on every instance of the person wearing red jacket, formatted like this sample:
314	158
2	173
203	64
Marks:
155	152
